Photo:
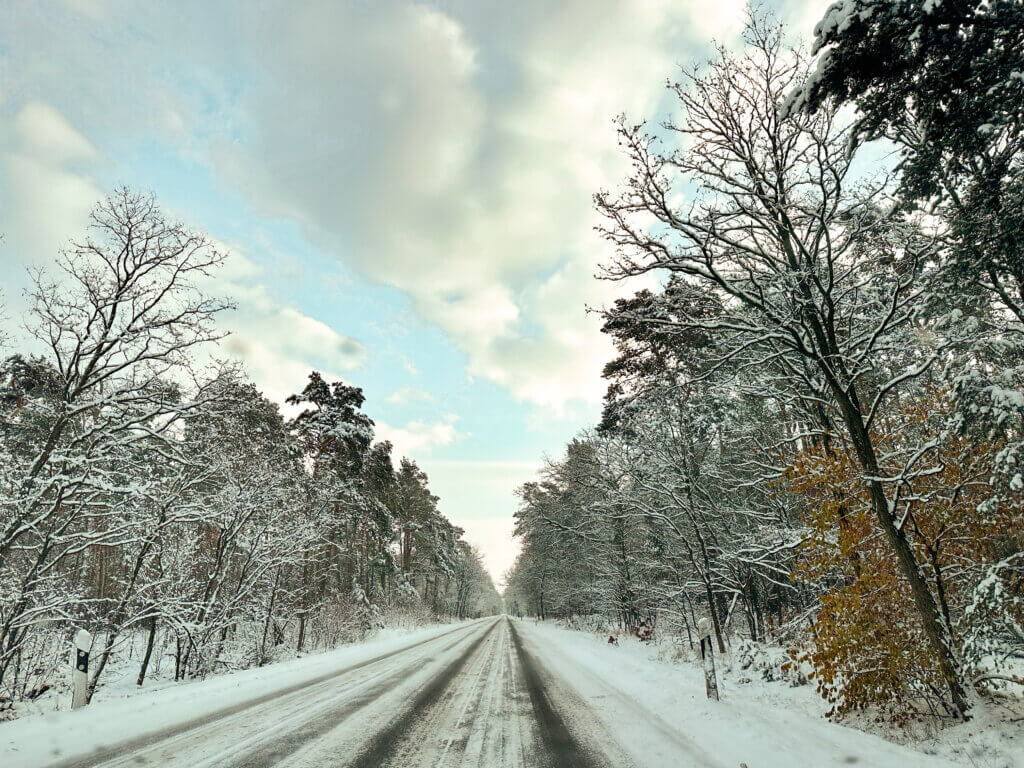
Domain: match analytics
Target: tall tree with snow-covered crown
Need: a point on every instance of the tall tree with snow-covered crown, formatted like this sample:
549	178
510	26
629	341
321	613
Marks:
779	227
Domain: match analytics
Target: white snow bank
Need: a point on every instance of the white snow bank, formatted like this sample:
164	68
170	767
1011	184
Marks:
39	740
657	710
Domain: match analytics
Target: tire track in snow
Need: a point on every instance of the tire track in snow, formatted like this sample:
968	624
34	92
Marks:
666	746
387	741
312	721
490	702
563	751
483	720
472	692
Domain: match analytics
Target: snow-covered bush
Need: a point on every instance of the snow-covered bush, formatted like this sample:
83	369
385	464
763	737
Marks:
770	663
994	645
594	623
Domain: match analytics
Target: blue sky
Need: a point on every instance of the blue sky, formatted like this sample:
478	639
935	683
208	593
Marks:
405	189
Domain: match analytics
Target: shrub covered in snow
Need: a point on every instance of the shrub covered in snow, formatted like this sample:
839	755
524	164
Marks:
769	663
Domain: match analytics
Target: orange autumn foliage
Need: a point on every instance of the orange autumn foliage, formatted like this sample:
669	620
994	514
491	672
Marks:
868	649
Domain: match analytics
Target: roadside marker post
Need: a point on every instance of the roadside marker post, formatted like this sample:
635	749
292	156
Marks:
707	653
80	673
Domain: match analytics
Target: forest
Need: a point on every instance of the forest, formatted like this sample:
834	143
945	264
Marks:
150	494
812	433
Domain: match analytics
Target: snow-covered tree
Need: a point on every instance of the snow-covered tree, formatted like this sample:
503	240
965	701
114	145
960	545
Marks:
146	496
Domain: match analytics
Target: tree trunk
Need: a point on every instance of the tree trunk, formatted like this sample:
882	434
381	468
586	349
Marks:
715	621
935	630
101	664
266	624
149	651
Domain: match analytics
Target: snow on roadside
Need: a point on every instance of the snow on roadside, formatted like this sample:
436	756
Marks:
645	702
38	739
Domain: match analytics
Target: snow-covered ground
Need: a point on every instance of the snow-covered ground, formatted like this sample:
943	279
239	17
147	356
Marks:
657	711
494	692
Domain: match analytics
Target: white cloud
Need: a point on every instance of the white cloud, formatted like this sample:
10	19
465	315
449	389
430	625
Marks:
457	164
44	132
418	439
804	14
278	344
407	395
47	191
442	152
95	9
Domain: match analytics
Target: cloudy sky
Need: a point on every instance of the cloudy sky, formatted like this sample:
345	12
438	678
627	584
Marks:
405	189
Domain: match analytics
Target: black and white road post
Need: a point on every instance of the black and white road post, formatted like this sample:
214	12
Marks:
707	653
80	674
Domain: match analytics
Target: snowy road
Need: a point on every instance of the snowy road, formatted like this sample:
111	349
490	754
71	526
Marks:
495	692
468	697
